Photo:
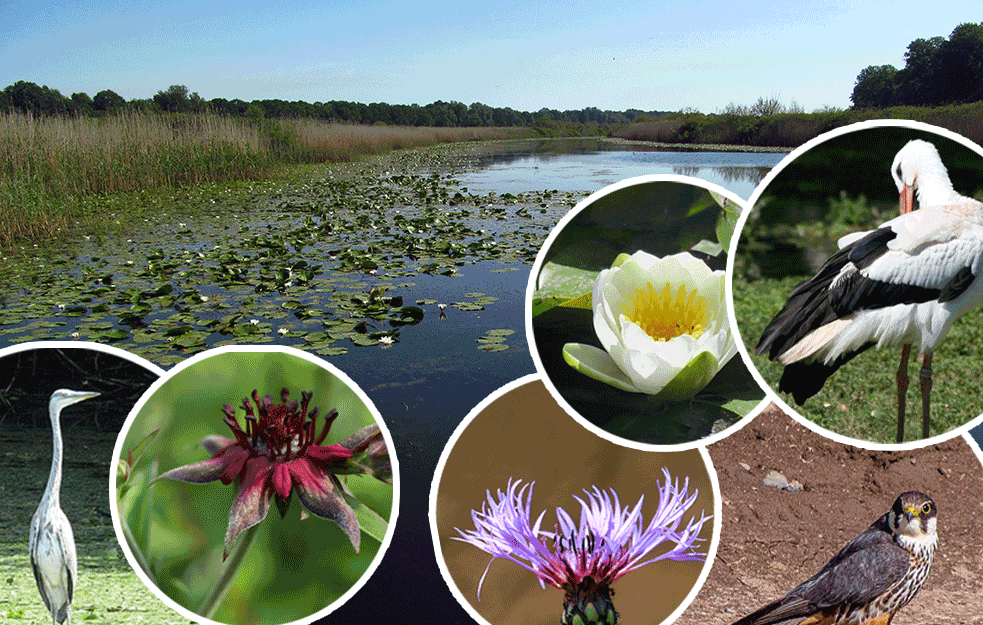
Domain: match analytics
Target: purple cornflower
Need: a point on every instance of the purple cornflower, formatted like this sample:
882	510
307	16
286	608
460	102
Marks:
583	559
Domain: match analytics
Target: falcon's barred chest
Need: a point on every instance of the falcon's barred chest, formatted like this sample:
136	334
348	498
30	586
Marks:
902	592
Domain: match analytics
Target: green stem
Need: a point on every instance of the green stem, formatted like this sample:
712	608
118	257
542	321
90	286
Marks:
131	541
215	598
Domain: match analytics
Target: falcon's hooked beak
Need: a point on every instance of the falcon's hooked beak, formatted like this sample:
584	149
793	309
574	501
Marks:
906	203
914	524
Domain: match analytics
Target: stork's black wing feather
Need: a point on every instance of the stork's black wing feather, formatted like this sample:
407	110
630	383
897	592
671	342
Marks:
840	288
804	379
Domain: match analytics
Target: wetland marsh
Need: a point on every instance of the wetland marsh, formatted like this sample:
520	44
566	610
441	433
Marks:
408	271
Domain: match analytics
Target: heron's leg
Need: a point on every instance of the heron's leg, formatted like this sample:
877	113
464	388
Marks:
902	378
926	381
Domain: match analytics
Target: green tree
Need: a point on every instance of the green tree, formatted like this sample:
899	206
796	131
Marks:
30	98
108	101
82	104
177	99
916	82
874	87
960	69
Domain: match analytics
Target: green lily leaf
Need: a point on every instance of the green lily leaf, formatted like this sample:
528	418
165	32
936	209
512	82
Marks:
727	221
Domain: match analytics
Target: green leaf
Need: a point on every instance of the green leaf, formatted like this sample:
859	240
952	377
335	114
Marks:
726	222
708	247
702	203
369	521
620	260
501	332
557	280
543	304
584	302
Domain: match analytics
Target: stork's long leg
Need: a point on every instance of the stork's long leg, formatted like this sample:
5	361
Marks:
926	383
902	379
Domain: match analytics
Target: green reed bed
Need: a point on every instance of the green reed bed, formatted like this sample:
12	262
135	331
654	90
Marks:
50	167
793	129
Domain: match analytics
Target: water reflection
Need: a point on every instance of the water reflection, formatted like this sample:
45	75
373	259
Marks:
590	164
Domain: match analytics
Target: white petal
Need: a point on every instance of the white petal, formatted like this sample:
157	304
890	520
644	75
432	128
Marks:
645	260
605	319
649	373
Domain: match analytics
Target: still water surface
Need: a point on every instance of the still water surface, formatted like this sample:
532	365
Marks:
437	400
426	383
591	166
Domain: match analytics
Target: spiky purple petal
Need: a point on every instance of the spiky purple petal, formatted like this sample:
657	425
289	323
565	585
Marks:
605	543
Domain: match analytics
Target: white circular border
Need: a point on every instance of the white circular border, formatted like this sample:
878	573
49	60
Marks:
341	376
442	462
531	289
739	229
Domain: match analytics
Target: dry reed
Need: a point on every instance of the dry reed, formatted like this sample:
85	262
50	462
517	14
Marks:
49	165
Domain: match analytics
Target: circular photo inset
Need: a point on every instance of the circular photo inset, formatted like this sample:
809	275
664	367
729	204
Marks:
627	316
794	499
255	485
62	406
869	237
537	520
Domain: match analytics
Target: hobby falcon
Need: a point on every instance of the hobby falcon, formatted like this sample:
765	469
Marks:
871	578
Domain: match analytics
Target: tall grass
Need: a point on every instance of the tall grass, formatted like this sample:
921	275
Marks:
49	165
794	129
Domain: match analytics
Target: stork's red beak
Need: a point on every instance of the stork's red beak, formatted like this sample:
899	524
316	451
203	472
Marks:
906	203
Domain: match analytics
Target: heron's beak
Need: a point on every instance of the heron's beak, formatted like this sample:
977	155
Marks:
82	395
906	202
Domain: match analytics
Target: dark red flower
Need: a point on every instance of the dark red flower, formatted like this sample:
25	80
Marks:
278	451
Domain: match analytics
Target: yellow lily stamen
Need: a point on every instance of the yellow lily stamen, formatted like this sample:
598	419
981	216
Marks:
665	315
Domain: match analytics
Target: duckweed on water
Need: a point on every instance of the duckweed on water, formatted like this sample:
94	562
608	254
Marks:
325	263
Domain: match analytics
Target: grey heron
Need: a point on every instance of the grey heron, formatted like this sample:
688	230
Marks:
52	544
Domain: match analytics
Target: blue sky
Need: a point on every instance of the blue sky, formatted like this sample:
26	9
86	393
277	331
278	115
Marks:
655	55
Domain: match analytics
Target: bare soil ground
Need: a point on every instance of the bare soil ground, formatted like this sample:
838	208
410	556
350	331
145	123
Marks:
772	539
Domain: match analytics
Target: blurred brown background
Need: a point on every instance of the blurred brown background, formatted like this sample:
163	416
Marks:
525	434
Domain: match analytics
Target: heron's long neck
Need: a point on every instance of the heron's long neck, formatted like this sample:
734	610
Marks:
54	478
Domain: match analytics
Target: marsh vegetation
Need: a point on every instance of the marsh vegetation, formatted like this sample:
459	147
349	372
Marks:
54	171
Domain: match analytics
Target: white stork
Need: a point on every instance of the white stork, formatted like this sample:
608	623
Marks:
904	283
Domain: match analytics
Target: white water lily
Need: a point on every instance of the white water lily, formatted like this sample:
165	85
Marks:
663	324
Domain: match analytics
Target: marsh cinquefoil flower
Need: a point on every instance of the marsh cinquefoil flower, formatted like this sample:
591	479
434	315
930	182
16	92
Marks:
583	559
663	325
279	451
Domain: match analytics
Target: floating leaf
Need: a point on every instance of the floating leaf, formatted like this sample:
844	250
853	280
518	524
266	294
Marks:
493	347
501	332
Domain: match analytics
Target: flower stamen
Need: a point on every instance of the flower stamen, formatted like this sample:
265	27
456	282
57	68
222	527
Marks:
664	316
278	452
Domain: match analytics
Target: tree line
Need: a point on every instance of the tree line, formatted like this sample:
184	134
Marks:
937	72
28	97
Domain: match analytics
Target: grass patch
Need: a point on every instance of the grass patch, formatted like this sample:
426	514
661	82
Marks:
105	594
859	400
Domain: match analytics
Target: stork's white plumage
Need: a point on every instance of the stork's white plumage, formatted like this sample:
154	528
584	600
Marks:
904	283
